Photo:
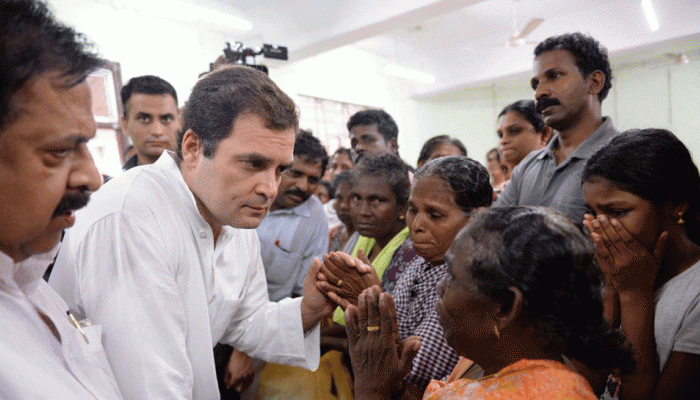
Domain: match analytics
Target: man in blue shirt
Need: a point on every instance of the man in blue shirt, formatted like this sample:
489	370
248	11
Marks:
295	231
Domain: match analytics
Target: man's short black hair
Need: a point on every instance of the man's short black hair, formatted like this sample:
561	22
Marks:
589	55
220	97
32	43
385	123
147	84
308	147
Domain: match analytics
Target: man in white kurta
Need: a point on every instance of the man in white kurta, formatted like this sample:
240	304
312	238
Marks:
36	363
46	172
159	260
141	261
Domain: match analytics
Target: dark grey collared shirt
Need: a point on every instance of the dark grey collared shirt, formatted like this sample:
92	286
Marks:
539	181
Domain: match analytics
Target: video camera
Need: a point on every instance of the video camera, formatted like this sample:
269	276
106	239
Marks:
241	55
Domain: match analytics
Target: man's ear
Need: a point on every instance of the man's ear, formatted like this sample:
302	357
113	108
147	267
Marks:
596	81
546	134
394	146
509	313
191	147
123	123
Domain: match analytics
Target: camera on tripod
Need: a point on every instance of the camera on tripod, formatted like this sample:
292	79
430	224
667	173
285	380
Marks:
240	55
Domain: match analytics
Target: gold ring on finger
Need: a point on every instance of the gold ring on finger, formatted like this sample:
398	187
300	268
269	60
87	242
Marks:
340	282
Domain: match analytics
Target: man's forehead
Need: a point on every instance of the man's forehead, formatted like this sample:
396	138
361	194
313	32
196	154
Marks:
158	102
253	132
552	59
307	161
249	136
45	98
370	129
44	89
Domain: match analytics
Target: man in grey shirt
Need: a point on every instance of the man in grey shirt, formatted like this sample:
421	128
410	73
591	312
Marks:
571	77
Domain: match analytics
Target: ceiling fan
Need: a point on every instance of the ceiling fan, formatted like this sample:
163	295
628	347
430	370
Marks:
518	36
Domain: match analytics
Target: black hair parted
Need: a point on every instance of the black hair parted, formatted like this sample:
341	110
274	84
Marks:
551	262
468	179
654	165
307	146
32	43
385	123
221	96
147	84
528	110
588	53
434	142
386	166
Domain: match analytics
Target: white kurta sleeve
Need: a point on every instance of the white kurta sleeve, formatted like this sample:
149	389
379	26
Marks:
128	284
271	331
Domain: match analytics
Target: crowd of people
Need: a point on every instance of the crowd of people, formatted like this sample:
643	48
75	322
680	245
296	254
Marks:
235	258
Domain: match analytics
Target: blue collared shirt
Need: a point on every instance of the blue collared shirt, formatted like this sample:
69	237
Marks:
290	238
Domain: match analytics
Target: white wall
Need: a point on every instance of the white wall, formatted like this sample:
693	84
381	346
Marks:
662	97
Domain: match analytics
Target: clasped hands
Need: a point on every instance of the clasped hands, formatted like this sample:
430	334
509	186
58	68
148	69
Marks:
379	357
343	277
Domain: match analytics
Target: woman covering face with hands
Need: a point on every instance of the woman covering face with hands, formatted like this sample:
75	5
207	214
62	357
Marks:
643	193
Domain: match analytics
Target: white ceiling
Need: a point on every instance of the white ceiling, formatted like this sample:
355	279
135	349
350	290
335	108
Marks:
460	41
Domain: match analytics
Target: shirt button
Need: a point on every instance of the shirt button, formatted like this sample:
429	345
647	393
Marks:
203	234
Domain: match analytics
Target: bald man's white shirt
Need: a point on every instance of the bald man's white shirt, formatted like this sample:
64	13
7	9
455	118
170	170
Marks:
34	363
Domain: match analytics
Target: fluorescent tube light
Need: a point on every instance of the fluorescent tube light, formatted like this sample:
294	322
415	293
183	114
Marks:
406	73
650	15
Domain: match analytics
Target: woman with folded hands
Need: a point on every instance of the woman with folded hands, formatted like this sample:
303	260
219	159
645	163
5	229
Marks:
445	192
523	295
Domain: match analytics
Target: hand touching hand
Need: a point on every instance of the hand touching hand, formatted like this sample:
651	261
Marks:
344	277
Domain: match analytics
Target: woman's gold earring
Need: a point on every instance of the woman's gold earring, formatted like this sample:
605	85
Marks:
681	221
402	217
498	334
